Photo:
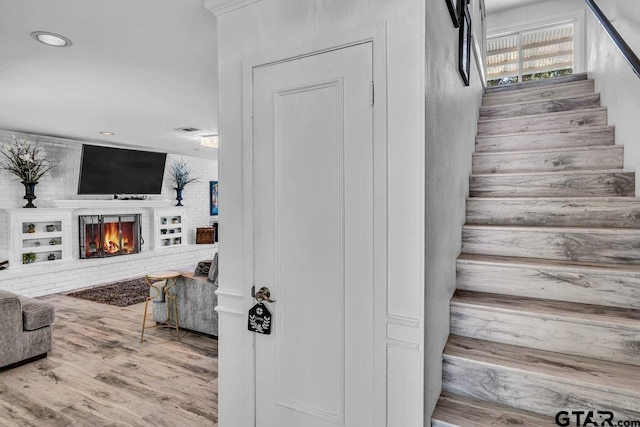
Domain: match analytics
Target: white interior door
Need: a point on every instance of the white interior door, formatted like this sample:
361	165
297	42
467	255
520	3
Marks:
313	239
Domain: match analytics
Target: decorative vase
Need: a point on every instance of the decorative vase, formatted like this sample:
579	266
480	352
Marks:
30	193
178	196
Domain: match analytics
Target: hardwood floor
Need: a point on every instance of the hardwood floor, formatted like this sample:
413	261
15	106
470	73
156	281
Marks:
99	374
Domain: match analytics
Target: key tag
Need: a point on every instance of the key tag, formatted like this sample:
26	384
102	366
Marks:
260	319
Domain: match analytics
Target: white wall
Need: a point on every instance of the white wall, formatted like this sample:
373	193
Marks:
531	12
61	183
451	118
619	87
262	27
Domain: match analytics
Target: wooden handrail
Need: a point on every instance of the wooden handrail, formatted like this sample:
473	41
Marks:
626	51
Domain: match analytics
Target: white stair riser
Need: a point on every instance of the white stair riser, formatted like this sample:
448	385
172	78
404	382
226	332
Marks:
540	107
541	161
539	141
560	283
531	391
553	185
611	342
588	245
605	212
585	87
566	120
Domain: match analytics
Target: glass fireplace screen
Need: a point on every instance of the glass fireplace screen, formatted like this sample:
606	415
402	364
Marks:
109	235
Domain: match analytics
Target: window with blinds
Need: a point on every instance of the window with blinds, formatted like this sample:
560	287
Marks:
530	55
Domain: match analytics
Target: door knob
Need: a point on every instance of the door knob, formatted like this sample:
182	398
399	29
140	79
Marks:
264	294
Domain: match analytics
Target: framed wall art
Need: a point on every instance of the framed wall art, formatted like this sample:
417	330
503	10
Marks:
213	197
453	7
464	51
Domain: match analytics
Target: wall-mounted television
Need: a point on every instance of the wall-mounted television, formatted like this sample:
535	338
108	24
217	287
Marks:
107	170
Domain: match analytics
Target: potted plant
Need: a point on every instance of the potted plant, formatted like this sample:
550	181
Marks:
28	258
181	174
26	162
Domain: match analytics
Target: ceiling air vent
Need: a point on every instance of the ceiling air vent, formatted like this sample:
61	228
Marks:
188	129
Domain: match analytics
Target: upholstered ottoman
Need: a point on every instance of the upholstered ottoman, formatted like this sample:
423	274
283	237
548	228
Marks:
25	328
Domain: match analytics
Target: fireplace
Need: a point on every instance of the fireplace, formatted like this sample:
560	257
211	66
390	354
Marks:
109	235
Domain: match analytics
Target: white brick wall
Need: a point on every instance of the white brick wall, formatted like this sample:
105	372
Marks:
61	183
47	278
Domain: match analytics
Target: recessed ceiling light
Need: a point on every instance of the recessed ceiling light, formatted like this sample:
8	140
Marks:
209	141
51	39
107	133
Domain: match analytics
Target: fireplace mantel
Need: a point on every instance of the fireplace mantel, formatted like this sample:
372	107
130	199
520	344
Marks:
111	203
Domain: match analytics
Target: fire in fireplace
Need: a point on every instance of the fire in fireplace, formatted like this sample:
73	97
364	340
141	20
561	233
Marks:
109	235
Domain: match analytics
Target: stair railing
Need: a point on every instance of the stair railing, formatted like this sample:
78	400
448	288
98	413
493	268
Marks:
624	48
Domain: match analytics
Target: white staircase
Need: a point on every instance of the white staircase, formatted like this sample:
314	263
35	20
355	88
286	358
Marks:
546	317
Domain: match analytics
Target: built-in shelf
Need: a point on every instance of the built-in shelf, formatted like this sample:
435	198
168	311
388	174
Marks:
170	227
38	236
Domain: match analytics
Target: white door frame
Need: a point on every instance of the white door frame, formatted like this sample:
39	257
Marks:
376	34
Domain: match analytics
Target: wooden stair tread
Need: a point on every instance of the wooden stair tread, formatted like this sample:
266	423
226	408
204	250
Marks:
456	410
585	211
542	139
590	129
552	160
598	374
555	229
567	199
583	87
551	150
534	84
547	105
549	263
538	101
578	313
552	173
590	244
542	116
607	284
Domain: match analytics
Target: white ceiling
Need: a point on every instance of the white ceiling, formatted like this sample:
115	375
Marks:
498	5
138	68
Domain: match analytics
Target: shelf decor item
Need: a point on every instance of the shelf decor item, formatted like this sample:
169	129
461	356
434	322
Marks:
31	228
181	174
28	258
52	256
51	228
26	162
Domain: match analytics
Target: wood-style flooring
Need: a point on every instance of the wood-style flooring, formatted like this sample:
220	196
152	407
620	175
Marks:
99	374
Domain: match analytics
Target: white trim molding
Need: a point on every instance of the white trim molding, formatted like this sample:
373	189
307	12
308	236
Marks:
220	7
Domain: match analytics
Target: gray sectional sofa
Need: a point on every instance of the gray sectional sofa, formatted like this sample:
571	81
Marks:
25	328
196	300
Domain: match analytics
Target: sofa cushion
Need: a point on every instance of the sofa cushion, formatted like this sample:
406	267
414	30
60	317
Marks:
36	314
10	316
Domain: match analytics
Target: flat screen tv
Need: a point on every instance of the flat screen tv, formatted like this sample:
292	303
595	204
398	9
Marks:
106	170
